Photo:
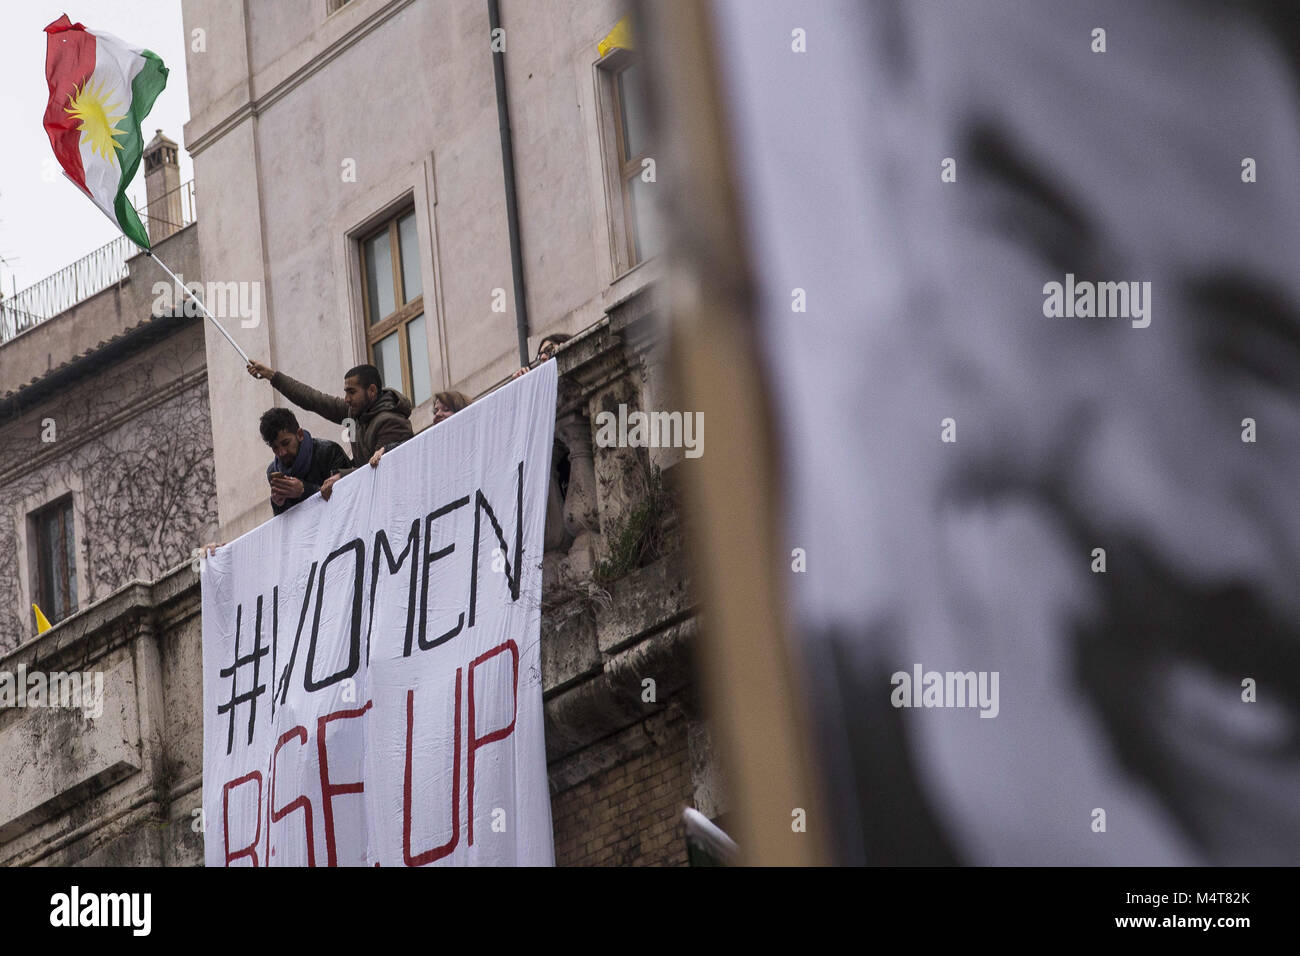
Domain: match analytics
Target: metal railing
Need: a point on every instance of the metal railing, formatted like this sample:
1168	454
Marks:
93	273
172	211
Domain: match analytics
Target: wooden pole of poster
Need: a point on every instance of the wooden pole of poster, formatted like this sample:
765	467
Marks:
751	686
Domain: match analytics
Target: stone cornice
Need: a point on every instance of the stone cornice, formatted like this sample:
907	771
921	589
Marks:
89	634
604	352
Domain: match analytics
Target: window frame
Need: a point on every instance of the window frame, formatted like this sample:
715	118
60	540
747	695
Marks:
619	167
404	312
64	506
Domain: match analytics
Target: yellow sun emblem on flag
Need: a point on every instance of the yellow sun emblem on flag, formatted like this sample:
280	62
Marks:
98	119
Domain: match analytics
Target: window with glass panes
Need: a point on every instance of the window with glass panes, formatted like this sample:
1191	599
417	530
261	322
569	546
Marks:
396	330
631	134
56	563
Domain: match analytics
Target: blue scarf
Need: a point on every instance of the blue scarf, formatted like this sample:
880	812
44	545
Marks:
302	464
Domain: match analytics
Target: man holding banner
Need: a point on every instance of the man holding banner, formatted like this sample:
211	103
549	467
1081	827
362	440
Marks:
382	416
372	679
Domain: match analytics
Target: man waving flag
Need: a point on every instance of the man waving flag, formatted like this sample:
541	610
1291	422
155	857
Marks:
100	92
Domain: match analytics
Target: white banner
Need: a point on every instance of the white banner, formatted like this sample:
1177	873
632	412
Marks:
372	690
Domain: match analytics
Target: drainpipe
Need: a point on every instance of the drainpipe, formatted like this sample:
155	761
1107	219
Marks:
512	201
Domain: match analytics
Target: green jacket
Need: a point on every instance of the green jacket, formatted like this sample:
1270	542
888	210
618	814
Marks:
386	423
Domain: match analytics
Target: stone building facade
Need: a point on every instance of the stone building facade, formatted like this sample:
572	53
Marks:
317	128
627	745
342	137
104	410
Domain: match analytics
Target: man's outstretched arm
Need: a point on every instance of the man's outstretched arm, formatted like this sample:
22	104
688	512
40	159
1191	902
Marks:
304	396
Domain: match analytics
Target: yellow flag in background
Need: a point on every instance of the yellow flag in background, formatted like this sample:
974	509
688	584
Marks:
42	625
619	38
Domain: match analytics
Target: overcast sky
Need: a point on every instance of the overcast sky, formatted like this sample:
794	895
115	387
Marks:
46	225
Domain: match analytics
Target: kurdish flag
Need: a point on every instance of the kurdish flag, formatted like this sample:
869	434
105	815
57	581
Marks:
100	92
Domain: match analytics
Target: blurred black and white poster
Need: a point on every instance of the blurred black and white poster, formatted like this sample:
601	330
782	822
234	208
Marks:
1028	304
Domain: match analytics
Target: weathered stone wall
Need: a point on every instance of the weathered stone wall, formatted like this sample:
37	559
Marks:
627	748
118	789
133	447
630	813
108	402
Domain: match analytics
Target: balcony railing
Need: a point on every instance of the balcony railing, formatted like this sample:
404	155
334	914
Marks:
93	273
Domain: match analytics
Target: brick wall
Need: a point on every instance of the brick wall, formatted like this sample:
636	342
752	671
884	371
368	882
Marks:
630	814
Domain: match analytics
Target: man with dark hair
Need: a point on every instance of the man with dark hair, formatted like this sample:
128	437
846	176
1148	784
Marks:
301	464
381	416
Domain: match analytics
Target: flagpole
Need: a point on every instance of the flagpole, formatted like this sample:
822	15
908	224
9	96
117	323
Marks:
199	302
150	253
